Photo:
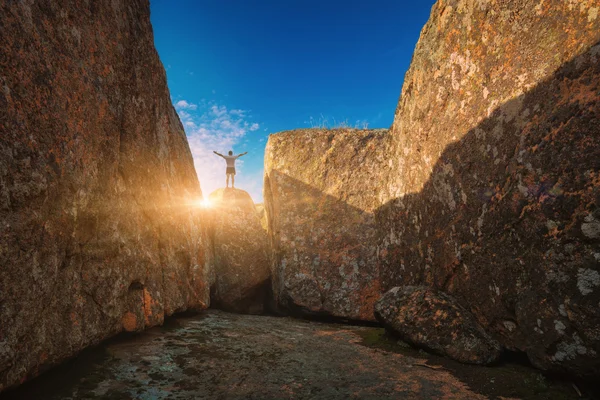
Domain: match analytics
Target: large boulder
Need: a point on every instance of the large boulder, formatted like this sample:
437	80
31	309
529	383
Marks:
96	234
496	170
241	260
425	318
321	188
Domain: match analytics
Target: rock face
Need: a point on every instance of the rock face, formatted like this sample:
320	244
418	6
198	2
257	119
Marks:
241	260
425	318
491	181
262	215
95	175
496	160
321	190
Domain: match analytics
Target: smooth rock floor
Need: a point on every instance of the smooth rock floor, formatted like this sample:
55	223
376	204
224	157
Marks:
216	355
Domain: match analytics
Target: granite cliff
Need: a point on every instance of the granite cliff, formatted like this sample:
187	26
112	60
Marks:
496	157
95	177
488	189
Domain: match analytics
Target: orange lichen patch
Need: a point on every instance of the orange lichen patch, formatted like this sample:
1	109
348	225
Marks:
129	322
106	71
578	91
325	333
102	109
153	312
74	320
147	306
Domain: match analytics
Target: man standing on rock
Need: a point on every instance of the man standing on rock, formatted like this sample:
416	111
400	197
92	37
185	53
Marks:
230	172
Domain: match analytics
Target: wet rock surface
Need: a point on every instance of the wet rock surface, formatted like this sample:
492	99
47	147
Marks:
96	236
496	169
321	189
217	355
240	253
435	321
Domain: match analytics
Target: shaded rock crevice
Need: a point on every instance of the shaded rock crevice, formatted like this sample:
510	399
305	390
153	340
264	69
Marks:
242	276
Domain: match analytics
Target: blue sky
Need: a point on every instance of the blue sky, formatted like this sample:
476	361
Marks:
241	70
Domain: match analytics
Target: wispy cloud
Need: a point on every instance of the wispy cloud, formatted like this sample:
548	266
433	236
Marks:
184	105
211	126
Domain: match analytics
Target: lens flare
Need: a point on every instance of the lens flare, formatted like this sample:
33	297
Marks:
205	203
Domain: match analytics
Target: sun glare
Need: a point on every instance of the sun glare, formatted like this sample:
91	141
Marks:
205	203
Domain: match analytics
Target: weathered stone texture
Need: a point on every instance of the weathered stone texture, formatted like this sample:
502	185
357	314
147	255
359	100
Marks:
435	321
240	253
321	190
262	215
496	151
95	174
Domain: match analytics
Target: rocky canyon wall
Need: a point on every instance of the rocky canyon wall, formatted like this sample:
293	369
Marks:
496	152
96	236
488	189
321	190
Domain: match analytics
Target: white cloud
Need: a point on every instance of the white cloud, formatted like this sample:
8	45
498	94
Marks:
184	105
239	113
215	127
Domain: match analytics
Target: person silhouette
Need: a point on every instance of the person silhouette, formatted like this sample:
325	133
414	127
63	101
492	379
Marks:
230	171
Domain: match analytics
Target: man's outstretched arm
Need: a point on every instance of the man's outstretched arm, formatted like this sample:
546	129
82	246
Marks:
239	155
219	154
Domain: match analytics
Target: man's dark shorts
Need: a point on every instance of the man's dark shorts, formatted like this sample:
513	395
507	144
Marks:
230	171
